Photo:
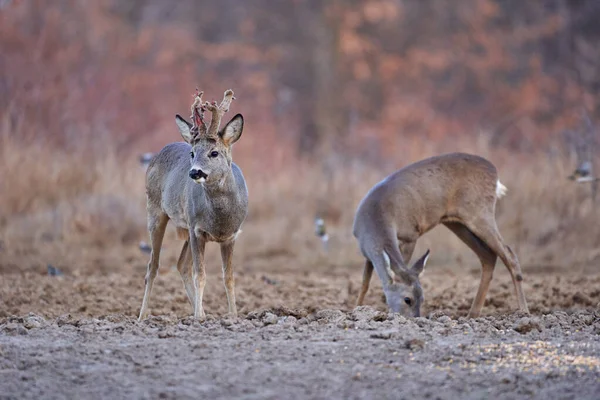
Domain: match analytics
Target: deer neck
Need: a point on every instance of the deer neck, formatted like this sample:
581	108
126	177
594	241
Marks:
219	215
226	187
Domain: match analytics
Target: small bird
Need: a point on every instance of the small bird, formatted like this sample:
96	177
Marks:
583	173
268	280
145	247
53	271
145	159
321	232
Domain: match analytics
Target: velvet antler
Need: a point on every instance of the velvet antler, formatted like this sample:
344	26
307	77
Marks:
218	111
198	125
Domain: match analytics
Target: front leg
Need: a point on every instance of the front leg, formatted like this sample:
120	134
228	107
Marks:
226	256
197	246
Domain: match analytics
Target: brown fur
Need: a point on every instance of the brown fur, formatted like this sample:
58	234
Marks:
209	209
458	190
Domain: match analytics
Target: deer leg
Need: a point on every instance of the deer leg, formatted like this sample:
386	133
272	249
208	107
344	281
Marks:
157	224
488	233
185	270
197	246
488	262
367	273
517	279
226	256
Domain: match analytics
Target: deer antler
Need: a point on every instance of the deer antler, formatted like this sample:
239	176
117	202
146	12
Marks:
198	114
218	111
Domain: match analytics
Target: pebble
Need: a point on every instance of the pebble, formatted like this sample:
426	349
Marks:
270	319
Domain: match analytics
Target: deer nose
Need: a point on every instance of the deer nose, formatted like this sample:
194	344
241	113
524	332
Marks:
196	174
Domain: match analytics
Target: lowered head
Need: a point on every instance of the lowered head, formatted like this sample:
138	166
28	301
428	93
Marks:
405	295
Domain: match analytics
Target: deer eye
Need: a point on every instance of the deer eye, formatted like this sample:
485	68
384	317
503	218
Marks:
214	153
408	301
192	154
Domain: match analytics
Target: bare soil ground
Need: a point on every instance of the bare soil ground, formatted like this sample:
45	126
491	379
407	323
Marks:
298	336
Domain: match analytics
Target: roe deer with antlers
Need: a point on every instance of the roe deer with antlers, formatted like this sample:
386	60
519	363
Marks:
458	190
197	186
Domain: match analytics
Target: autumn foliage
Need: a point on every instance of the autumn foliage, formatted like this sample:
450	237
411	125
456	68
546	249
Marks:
335	95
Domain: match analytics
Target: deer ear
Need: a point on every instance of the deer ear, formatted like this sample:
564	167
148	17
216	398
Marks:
233	130
184	128
418	266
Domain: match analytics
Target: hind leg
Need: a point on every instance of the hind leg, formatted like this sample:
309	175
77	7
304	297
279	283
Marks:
517	279
488	262
184	266
157	223
487	231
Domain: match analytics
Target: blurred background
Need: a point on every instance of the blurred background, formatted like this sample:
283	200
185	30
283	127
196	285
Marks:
335	94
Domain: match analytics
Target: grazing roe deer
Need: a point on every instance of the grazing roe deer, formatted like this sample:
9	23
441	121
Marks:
458	190
204	194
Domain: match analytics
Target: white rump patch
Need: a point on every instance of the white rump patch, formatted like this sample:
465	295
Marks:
581	179
500	189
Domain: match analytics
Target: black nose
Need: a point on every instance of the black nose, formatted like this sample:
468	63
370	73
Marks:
197	174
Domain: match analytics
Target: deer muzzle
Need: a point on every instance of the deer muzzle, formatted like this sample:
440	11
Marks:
198	175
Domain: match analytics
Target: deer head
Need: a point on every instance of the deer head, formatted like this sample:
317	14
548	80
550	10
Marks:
210	154
404	294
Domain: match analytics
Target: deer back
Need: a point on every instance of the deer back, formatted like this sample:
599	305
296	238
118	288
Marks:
416	198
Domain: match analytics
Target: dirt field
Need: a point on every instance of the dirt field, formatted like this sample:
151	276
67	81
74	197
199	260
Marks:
76	336
335	95
298	336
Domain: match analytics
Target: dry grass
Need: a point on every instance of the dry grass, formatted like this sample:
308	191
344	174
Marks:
83	208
